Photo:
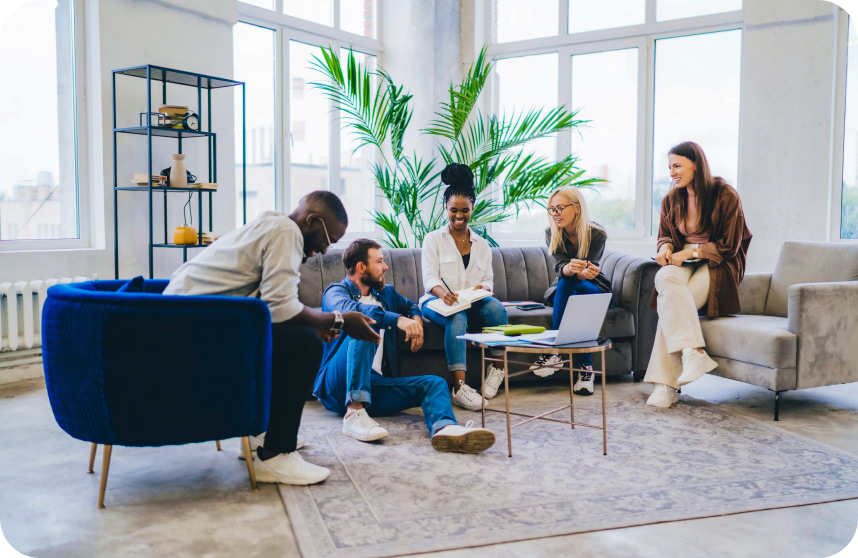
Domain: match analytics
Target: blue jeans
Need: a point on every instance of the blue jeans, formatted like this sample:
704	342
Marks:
349	378
566	287
485	312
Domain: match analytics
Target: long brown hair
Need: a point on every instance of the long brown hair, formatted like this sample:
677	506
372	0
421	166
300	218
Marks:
705	186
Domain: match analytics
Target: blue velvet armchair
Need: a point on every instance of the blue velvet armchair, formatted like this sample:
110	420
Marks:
143	369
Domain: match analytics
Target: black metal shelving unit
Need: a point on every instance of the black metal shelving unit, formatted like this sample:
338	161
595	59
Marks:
202	83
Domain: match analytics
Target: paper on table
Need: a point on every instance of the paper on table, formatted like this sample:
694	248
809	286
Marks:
466	297
486	337
376	361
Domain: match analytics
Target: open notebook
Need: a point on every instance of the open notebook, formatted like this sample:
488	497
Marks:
466	298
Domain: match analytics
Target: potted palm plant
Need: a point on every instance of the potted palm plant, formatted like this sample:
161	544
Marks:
507	177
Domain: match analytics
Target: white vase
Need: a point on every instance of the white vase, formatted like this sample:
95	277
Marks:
178	174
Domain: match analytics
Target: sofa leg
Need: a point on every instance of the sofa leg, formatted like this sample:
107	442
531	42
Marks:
248	458
92	458
639	375
105	466
217	444
777	404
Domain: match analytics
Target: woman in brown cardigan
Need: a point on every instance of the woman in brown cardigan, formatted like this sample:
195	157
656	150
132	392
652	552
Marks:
702	243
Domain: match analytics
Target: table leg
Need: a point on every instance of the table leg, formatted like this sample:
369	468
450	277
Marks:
571	393
483	384
604	424
506	394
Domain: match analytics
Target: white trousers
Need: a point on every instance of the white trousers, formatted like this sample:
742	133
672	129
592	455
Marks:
682	290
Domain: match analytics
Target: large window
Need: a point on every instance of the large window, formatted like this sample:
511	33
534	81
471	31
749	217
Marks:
849	192
525	83
697	99
646	74
38	124
295	143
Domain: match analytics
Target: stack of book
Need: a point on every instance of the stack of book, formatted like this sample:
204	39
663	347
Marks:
175	115
139	179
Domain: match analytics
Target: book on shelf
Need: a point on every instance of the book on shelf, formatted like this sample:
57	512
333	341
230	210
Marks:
175	110
466	298
140	178
204	185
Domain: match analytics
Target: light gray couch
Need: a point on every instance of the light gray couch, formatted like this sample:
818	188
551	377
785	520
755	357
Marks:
799	325
520	274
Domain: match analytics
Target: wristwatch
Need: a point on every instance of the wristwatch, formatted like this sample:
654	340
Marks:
694	252
338	321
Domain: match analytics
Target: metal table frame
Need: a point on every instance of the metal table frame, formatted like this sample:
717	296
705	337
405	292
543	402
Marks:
543	349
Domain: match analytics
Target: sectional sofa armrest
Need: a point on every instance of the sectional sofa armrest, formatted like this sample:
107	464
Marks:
753	292
633	281
824	317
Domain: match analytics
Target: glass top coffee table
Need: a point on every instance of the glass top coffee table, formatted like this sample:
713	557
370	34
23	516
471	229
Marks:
566	352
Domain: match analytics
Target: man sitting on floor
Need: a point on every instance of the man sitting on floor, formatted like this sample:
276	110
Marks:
356	374
262	259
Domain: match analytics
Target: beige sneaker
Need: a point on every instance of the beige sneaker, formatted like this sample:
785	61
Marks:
288	468
694	366
662	396
257	442
467	398
464	439
494	378
360	426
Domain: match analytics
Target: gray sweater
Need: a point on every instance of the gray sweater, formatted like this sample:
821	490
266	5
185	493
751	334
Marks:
569	251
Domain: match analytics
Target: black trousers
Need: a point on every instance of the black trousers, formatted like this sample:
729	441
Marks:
296	355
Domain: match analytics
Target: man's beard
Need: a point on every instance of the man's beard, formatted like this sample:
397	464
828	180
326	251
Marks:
376	283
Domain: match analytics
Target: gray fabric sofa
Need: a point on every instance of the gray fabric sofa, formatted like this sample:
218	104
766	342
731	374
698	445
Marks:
520	274
799	324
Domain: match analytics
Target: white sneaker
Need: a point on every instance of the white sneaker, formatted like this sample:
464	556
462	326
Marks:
288	468
257	442
585	383
694	366
494	378
546	365
360	426
467	398
465	439
662	396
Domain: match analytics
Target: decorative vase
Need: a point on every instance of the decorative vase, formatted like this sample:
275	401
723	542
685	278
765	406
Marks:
178	174
185	235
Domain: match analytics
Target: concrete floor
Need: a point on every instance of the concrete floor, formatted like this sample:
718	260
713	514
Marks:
192	500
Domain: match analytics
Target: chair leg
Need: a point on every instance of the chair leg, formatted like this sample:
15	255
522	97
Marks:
92	458
217	443
777	404
248	458
105	466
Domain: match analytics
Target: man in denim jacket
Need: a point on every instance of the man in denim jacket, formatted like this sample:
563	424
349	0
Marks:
359	375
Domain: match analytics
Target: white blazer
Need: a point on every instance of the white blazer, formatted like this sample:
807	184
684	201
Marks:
441	258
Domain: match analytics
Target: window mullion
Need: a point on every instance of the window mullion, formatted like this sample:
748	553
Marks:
650	12
563	17
335	183
647	106
564	97
281	126
284	101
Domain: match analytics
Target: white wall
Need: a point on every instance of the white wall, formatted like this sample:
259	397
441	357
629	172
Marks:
192	35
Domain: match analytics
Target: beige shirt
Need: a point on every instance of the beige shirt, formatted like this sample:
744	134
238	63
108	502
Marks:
441	259
261	259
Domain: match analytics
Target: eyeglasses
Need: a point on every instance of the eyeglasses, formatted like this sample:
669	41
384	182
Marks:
326	230
557	209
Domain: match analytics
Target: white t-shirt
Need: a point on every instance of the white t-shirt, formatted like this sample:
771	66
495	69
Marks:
261	259
379	353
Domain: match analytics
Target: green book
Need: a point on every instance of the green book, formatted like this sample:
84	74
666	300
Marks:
514	329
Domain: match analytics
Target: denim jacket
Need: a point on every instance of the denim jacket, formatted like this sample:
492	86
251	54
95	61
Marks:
344	296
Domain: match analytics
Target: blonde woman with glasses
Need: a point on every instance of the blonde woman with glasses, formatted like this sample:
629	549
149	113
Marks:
576	244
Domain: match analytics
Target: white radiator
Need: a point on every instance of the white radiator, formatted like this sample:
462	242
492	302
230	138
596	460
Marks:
21	312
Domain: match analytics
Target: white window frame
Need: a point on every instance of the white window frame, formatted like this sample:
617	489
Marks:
641	36
838	130
288	28
84	188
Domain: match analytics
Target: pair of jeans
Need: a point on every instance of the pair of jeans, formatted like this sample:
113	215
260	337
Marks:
566	287
348	377
485	312
682	291
296	354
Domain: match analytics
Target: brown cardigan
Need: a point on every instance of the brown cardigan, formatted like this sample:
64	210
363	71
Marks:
726	250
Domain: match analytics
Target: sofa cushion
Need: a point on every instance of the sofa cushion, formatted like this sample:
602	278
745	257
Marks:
762	340
809	262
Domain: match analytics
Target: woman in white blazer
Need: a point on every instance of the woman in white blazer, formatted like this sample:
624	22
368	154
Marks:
456	258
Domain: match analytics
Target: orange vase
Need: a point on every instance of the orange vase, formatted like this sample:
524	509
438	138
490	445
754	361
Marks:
185	235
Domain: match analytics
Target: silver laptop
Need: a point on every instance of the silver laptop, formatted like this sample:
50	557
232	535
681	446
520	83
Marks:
582	320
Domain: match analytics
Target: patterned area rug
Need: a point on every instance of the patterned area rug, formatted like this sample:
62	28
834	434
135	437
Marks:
399	496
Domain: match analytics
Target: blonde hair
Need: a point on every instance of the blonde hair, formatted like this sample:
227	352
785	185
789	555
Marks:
582	225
